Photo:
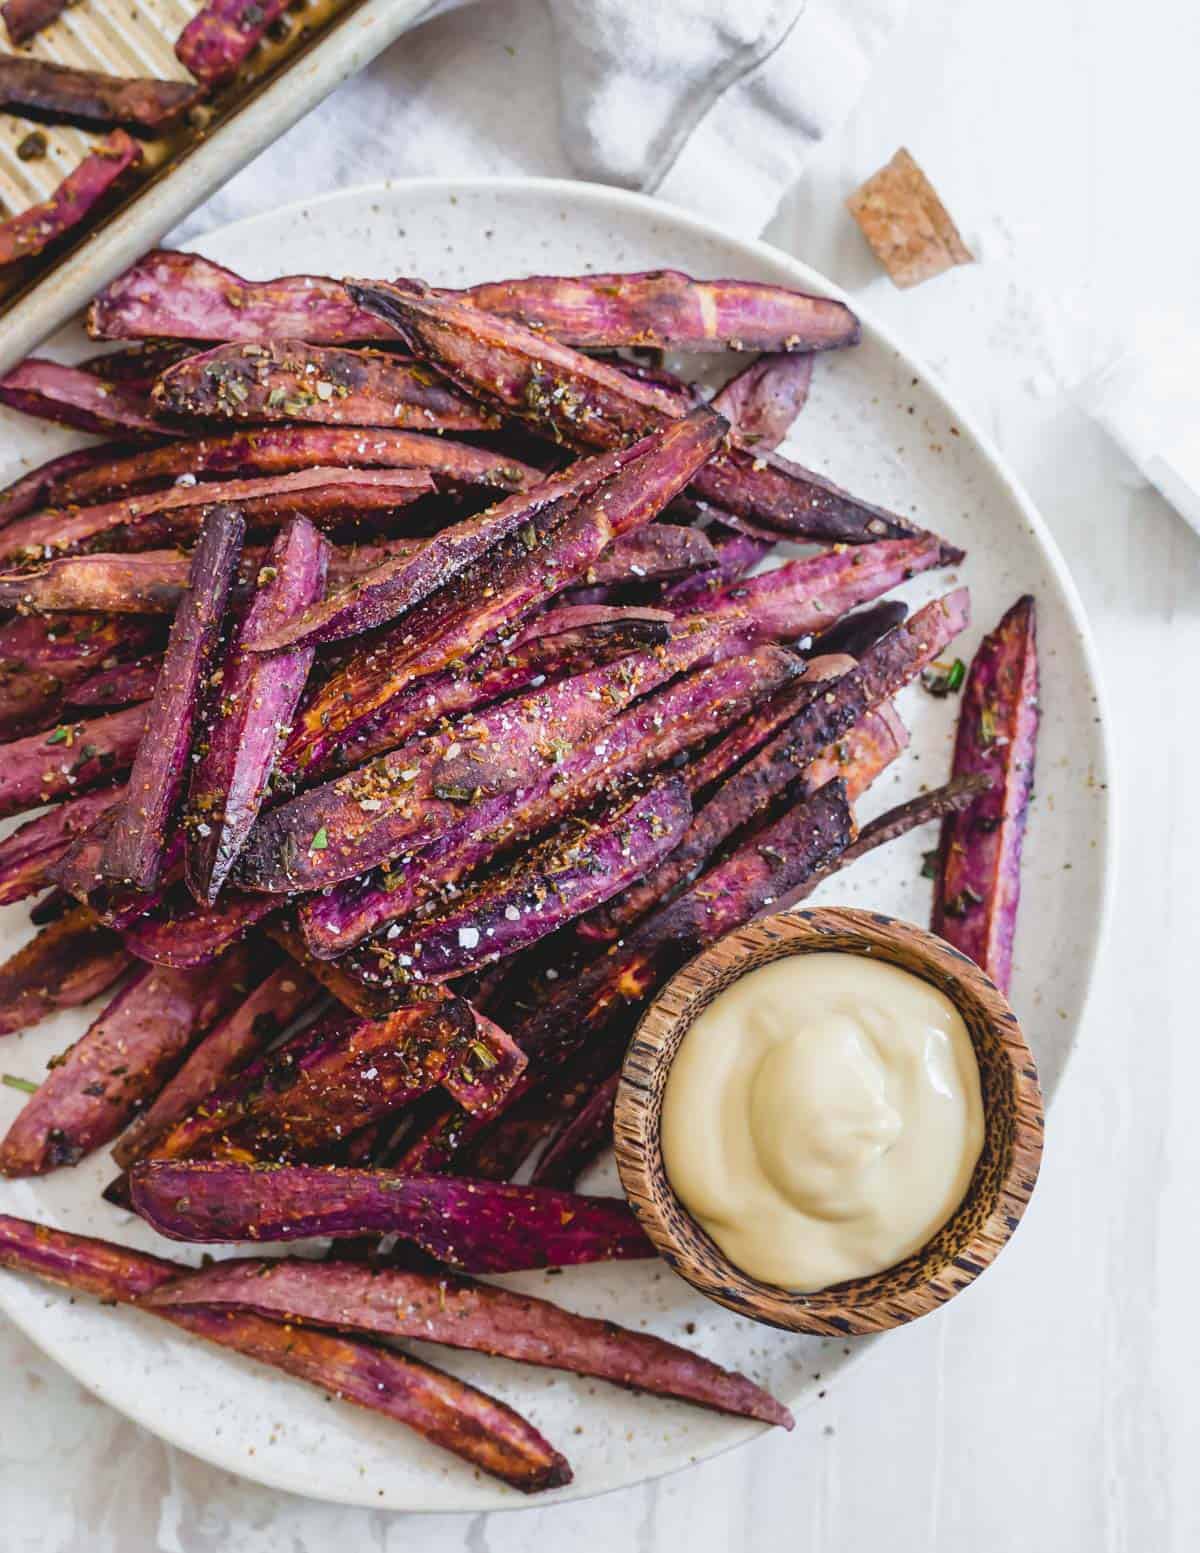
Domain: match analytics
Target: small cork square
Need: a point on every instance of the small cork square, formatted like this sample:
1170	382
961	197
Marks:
906	223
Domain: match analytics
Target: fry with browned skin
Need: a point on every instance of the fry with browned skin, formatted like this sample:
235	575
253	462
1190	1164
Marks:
257	697
67	964
393	1302
575	869
448	1412
118	1065
61	94
774	860
152	582
566	641
260	451
587	403
478	1226
327	497
68	396
23	236
645	737
979	878
72	758
25	18
133	853
328	1082
289	380
251	1027
38	488
27	852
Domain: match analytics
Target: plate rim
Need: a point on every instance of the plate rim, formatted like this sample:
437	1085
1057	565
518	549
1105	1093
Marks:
607	195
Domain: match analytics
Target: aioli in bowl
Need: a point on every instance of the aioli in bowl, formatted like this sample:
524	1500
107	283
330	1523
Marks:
822	1118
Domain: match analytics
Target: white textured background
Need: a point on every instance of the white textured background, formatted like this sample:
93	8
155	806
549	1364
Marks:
1054	1406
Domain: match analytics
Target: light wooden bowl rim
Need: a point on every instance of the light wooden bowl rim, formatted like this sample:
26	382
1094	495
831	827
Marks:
1000	1188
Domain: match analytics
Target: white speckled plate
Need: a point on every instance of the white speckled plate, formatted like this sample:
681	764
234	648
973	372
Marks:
876	423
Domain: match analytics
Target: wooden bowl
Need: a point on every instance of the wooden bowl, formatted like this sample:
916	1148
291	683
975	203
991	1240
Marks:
1000	1187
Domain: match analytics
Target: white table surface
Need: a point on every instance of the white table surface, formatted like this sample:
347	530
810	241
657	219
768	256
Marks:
1055	1405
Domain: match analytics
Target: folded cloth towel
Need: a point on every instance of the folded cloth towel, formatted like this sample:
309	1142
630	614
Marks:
710	104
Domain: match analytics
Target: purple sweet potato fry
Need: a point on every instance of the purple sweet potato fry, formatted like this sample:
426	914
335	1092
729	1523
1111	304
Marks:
478	1226
667	310
645	737
499	1146
856	632
577	868
492	1065
235	1041
802	596
70	397
513	579
42	659
564	641
734	554
448	1412
579	1140
118	1065
27	852
763	400
152	582
189	297
67	964
745	738
436	1308
219	39
978	887
857	757
27	234
72	759
184	934
138	363
394	589
149	583
301	1101
659	552
186	296
822	719
25	18
117	906
748	881
324	496
348	990
122	685
133	853
936	804
257	696
576	399
588	403
61	94
289	380
40	486
415	794
260	451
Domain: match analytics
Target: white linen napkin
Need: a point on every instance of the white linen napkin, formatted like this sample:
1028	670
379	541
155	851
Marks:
710	104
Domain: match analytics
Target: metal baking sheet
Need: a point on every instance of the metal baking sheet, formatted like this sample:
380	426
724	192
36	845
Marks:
323	43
